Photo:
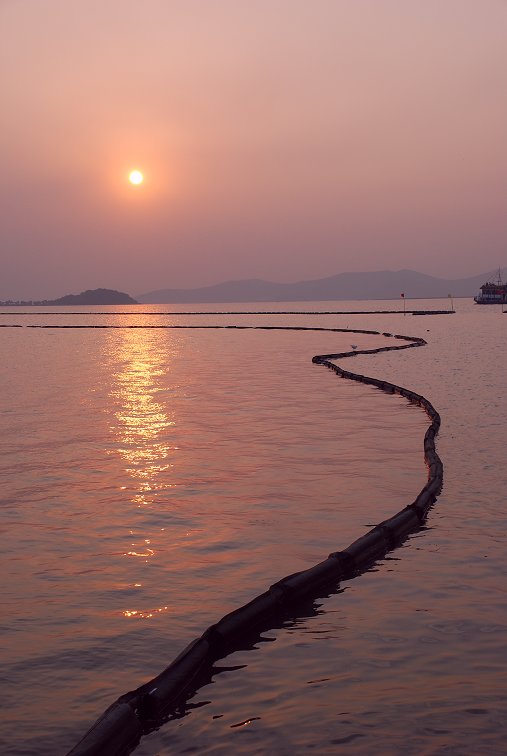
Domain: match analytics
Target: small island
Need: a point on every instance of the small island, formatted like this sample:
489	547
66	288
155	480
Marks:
88	297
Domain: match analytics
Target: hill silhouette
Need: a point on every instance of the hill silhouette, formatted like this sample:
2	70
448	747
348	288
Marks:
94	297
384	284
88	297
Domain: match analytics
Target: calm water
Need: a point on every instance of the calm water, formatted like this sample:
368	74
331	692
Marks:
154	479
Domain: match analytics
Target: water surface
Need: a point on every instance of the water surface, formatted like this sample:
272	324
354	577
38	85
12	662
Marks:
154	479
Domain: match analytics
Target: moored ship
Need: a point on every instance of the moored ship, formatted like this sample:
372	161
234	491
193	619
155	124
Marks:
492	293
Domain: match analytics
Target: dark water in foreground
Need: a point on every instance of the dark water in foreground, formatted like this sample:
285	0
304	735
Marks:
153	480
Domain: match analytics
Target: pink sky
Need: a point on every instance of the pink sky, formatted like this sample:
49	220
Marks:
280	139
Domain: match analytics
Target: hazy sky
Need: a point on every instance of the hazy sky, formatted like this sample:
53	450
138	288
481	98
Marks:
279	139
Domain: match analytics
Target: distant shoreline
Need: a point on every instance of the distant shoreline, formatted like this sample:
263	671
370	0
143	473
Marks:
57	303
370	286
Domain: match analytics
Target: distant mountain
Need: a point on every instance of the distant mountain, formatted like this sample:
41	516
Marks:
94	297
384	284
88	297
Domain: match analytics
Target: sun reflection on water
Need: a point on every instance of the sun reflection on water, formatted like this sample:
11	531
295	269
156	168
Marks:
141	429
144	614
141	420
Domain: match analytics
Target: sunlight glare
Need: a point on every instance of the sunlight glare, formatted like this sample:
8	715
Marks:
136	177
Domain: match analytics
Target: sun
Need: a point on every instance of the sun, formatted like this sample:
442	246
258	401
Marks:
136	177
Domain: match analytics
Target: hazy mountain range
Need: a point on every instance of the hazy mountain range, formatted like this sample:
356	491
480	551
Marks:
383	284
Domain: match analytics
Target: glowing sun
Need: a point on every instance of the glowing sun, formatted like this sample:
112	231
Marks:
136	177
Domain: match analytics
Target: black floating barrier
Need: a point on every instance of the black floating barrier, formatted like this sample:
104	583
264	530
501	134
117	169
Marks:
121	726
136	313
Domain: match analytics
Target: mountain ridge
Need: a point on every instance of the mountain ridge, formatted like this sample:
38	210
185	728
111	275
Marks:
384	284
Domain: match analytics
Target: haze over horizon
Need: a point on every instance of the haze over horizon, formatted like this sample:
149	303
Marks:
282	140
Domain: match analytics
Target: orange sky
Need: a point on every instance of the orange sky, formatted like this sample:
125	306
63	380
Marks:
280	139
